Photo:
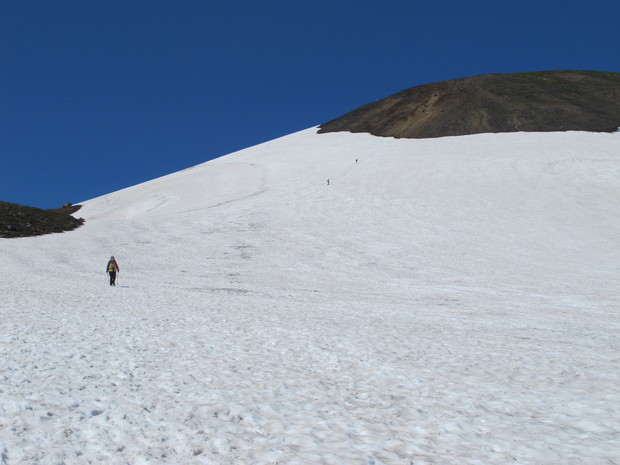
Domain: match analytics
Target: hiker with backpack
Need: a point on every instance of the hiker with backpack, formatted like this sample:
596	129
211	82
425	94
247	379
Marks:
112	268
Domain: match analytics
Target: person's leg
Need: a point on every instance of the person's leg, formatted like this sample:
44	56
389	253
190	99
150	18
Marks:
112	278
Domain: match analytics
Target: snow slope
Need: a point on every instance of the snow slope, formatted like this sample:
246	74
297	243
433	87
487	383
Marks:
441	301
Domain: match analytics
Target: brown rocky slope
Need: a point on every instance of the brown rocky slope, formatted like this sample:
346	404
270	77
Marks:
536	101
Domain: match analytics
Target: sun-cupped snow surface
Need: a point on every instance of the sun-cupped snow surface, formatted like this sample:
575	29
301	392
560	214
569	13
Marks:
450	301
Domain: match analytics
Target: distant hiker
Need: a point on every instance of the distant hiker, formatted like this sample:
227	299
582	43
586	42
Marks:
328	182
356	160
112	268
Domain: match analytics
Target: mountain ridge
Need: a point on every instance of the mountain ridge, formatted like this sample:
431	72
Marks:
538	101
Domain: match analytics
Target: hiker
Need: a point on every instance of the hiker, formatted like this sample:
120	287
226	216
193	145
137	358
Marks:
112	268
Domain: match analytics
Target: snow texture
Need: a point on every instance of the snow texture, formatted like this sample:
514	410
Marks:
446	301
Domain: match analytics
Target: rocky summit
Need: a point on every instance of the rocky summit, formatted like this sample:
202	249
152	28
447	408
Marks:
541	101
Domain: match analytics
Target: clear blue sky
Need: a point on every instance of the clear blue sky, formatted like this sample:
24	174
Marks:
96	96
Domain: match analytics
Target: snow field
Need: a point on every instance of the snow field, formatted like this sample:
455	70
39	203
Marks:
449	301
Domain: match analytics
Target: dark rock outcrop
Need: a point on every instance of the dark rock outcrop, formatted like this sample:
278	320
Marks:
22	221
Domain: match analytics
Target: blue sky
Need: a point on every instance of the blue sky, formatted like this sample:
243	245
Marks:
98	96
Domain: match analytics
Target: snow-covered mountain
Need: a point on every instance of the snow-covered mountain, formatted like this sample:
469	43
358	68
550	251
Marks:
444	301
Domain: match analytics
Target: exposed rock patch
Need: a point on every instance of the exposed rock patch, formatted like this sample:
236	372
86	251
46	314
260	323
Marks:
22	221
533	102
